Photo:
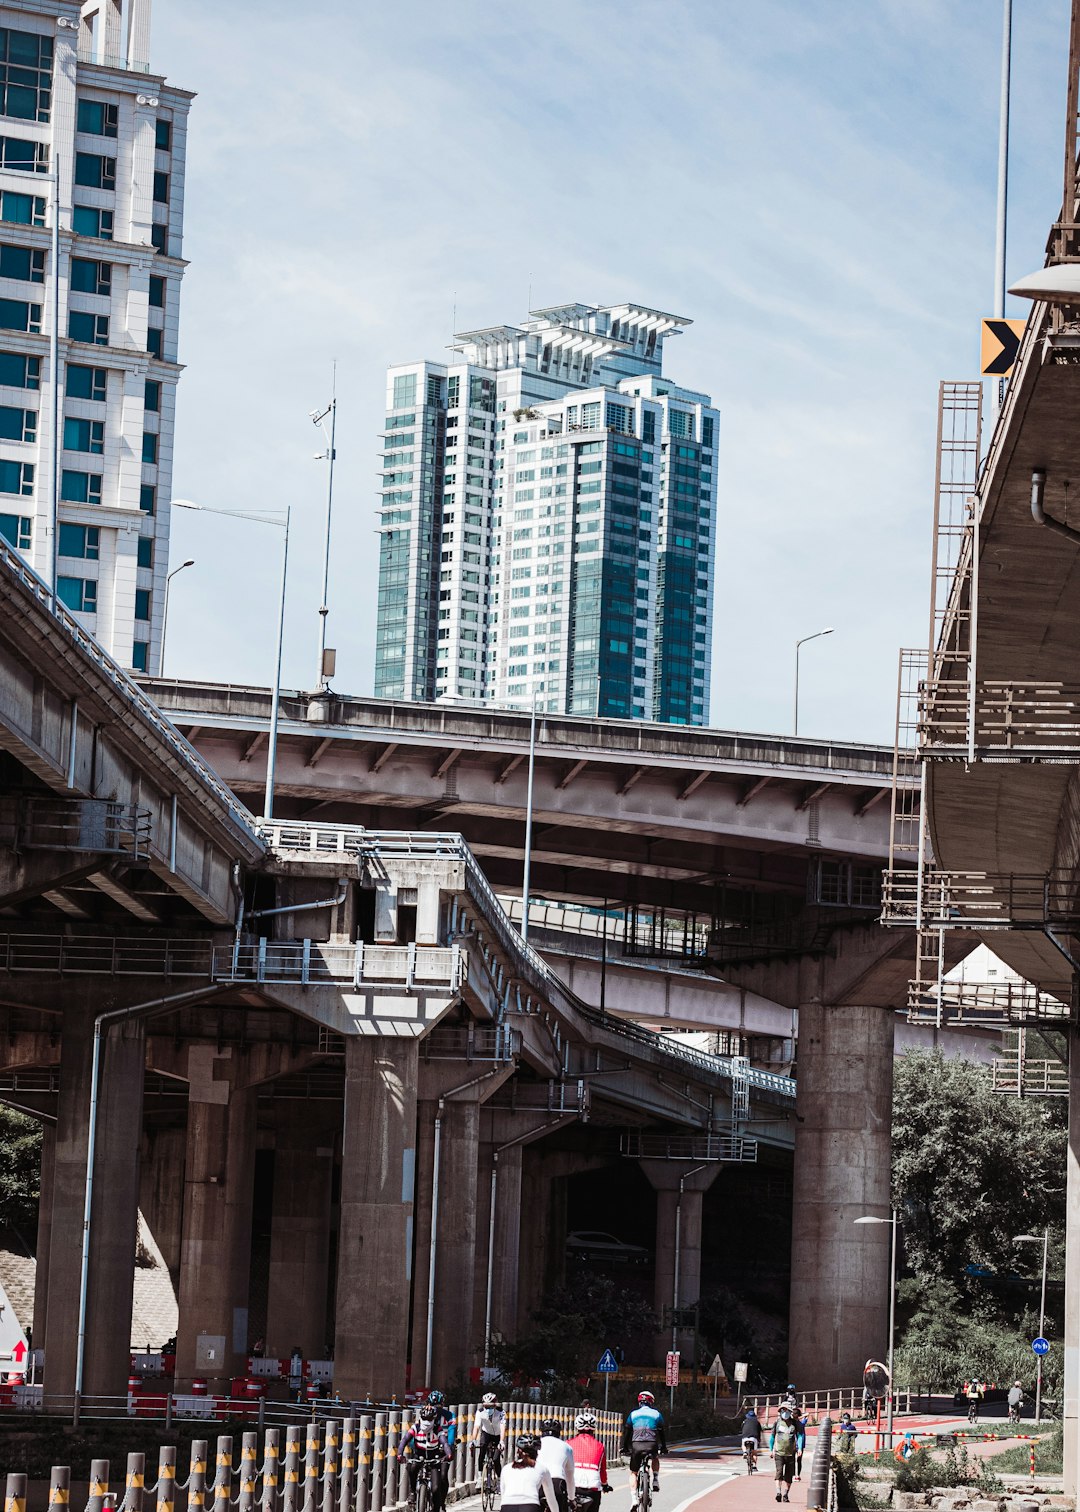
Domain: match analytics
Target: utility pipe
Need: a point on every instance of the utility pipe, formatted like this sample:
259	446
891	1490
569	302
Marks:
73	742
1038	513
267	913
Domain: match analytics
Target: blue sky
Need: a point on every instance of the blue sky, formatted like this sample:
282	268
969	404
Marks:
813	185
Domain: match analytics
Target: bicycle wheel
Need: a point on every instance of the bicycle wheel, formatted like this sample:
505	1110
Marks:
487	1492
423	1494
644	1487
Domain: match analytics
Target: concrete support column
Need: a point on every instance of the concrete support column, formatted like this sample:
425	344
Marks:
111	1273
454	1333
843	1150
1071	1408
542	1239
375	1237
161	1191
507	1250
299	1235
215	1257
44	1230
680	1193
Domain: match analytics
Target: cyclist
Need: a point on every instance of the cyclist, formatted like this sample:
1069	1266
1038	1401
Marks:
524	1483
428	1440
782	1443
973	1393
848	1433
1016	1401
557	1458
590	1462
789	1399
643	1438
488	1432
751	1438
444	1417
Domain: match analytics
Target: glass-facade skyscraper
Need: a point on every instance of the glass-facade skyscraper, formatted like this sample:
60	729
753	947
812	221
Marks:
548	521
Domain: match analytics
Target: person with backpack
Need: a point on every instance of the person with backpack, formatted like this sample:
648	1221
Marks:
848	1433
782	1442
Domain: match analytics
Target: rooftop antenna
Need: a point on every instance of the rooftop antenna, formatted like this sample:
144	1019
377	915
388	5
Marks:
327	659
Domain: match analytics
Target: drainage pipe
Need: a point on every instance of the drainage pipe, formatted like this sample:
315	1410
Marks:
1038	513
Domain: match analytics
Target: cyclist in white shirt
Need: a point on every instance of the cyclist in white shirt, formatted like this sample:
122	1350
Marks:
525	1484
557	1457
488	1431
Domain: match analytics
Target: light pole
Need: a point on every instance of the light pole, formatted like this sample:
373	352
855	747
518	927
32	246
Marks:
894	1222
528	825
165	611
798	646
318	417
281	519
1044	1240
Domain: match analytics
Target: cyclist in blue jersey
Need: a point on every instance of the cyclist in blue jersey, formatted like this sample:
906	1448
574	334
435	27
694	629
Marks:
644	1438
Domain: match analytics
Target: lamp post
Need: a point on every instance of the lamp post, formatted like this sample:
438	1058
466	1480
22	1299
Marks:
1044	1240
165	611
894	1222
528	825
281	519
798	646
318	417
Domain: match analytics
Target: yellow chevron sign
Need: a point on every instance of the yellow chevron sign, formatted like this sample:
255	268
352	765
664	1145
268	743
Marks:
1000	344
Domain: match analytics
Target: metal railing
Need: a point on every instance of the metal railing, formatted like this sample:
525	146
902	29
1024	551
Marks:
557	1097
312	963
97	825
980	900
813	1403
102	955
126	687
472	1041
324	840
1029	719
727	1147
1036	1078
990	1003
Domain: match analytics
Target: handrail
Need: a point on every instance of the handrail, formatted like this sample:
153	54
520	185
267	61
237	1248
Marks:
126	686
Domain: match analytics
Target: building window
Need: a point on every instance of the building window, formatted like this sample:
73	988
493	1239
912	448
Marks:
16	477
148	498
146	551
19	371
89	222
149	447
86	382
152	396
95	171
404	390
80	487
159	236
708	430
16	530
80	541
96	118
157	292
17	315
20	156
88	276
17	424
163	135
22	209
84	435
25	74
77	594
25	263
91	329
161	188
140	652
154	339
142	603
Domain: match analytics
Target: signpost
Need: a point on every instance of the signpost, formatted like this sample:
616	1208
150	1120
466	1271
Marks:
716	1370
741	1373
607	1367
14	1351
671	1373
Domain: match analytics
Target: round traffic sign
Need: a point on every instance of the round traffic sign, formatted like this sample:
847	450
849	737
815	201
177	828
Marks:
1040	1346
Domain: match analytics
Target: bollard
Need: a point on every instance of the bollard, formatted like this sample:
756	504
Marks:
290	1484
59	1487
196	1483
99	1485
392	1479
166	1480
817	1494
15	1491
249	1448
330	1466
134	1482
363	1467
378	1463
311	1469
270	1470
347	1475
223	1478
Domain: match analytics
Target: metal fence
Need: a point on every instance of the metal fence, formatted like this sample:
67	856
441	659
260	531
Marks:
334	1464
813	1404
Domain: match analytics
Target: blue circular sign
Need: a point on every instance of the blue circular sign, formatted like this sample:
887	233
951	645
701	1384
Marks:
1041	1346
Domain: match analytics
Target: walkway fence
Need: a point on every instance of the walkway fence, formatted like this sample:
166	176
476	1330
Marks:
337	1465
816	1403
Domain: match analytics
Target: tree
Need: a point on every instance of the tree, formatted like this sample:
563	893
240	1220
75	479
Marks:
20	1164
971	1167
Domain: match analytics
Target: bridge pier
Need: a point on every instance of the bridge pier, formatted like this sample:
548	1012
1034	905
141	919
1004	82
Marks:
681	1211
378	1157
843	1140
161	1191
456	1249
299	1235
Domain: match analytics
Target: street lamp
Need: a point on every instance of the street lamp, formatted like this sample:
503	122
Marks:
1044	1240
165	612
281	519
318	417
798	645
894	1222
528	824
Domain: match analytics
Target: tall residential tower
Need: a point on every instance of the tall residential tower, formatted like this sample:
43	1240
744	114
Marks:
548	521
91	214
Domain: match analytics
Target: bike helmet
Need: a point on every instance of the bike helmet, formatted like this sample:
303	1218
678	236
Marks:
528	1444
552	1427
585	1422
791	1386
437	1397
645	1399
427	1413
490	1400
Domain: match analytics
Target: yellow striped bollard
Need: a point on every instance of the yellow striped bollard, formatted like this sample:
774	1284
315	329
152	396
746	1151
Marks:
290	1487
166	1479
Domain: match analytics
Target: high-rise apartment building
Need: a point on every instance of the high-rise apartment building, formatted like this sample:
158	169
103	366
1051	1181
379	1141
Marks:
548	521
91	215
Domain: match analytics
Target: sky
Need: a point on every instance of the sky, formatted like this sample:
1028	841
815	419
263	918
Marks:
814	186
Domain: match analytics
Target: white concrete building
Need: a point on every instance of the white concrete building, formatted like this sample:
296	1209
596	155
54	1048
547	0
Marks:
548	521
91	215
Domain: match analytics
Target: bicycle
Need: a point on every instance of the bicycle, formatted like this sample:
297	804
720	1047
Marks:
489	1481
644	1484
973	1410
425	1490
750	1456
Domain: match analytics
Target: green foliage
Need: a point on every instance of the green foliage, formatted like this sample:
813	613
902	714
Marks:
950	1337
20	1161
1017	1460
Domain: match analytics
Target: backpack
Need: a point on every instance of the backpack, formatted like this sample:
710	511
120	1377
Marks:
784	1438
